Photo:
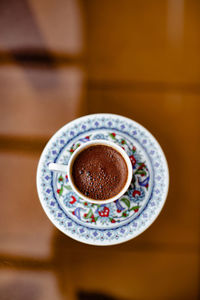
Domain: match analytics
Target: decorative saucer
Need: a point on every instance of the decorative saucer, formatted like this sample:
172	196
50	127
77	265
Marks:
115	222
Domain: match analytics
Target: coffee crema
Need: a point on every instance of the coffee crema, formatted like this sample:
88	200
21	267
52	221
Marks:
99	172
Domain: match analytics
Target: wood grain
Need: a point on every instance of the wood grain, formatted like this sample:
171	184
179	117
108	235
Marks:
135	58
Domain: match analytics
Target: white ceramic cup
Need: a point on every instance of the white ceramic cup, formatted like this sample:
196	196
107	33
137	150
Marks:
68	170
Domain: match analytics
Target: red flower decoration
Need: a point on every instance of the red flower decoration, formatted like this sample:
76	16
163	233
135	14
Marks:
136	193
141	166
118	211
136	209
73	200
105	212
134	149
58	191
113	134
113	221
71	150
133	160
92	217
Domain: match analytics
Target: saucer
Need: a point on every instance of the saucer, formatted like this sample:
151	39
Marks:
123	219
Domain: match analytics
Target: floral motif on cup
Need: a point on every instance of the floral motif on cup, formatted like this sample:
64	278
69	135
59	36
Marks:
127	222
129	205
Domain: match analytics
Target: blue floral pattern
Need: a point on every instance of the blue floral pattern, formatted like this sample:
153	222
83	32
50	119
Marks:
118	221
141	174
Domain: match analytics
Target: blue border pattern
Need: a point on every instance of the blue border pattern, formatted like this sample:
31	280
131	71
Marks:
126	231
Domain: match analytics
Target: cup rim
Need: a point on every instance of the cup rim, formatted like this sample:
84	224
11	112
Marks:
117	148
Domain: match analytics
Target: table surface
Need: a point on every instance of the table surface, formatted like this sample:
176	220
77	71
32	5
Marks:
61	62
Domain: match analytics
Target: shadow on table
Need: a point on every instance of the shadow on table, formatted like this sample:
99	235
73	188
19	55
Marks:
66	257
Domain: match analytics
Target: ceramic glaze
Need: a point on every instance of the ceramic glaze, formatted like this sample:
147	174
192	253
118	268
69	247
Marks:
118	221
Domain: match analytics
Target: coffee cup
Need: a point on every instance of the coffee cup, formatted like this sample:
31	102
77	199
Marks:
99	171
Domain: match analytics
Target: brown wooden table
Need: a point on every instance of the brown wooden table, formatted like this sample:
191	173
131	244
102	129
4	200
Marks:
61	60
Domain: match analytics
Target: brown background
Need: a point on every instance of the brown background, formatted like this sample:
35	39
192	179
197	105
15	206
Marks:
63	59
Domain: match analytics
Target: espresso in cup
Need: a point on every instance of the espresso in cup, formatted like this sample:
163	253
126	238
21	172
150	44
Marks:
99	172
